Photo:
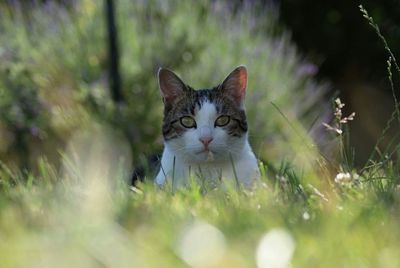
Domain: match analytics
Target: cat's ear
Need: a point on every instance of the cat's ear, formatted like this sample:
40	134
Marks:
235	84
171	86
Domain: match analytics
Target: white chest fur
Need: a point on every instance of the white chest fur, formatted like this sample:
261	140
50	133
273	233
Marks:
242	166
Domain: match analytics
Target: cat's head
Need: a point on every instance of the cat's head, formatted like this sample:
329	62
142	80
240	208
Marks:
197	122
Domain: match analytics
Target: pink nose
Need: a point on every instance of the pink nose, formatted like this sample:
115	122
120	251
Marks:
206	141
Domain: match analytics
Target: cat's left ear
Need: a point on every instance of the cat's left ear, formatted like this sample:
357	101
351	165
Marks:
171	86
235	85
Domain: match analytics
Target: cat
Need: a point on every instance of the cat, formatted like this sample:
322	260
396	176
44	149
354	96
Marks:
205	132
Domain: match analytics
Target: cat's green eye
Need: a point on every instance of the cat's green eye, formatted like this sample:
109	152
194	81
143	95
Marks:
188	122
223	120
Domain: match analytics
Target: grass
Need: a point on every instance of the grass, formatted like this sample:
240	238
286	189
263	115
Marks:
80	211
95	220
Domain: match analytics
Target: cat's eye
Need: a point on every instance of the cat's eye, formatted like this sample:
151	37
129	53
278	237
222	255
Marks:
188	122
221	121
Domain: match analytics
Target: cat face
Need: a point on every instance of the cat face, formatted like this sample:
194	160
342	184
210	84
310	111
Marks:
207	124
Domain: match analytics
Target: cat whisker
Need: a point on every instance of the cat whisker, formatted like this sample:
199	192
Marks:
217	149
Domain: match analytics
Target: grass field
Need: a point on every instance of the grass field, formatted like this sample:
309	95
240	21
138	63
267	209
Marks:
95	220
67	151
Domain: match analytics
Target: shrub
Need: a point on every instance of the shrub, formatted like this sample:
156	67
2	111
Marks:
63	52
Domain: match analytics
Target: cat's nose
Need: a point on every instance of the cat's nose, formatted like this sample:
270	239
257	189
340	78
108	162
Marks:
206	141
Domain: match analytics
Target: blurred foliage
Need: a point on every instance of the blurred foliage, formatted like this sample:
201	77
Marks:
335	34
55	107
53	77
96	221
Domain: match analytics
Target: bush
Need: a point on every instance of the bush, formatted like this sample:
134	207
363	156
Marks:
62	53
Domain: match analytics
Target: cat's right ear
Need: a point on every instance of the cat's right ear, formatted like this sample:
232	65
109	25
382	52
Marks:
171	86
235	84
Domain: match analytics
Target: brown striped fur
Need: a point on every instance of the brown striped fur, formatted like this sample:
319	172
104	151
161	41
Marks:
182	100
190	99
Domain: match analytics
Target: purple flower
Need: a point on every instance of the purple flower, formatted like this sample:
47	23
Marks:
307	69
35	131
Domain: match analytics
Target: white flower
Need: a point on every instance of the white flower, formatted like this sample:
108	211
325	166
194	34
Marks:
343	177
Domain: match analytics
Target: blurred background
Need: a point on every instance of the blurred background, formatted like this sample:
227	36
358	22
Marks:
67	66
335	36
